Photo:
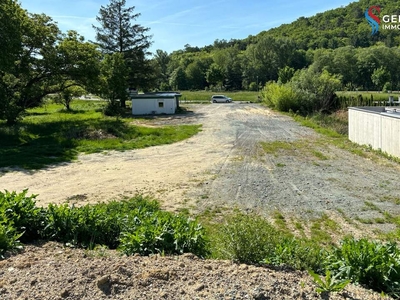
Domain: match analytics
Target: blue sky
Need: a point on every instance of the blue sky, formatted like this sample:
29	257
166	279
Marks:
174	23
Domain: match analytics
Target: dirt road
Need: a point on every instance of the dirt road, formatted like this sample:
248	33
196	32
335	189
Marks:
225	165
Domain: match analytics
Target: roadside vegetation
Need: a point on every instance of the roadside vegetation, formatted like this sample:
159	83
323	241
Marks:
138	225
51	134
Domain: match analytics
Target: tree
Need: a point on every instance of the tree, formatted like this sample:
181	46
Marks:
317	89
66	96
379	77
114	74
178	80
195	76
117	34
161	61
285	74
215	75
12	20
42	64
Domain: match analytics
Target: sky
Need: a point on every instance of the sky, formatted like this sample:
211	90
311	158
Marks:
175	23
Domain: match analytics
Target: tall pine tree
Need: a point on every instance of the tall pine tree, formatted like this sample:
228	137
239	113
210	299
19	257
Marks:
117	33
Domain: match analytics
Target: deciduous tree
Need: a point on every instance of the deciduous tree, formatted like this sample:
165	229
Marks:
42	63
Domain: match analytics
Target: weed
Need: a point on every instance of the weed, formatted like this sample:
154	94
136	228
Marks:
319	155
374	264
344	216
372	206
329	283
279	220
275	146
364	220
392	199
280	165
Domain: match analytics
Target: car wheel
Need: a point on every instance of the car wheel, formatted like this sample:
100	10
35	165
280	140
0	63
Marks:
214	101
227	101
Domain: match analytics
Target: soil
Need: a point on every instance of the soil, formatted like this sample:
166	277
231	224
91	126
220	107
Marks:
51	271
222	166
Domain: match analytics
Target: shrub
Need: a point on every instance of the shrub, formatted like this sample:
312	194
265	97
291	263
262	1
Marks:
317	89
163	232
9	239
252	239
114	109
282	97
20	210
370	263
245	238
299	254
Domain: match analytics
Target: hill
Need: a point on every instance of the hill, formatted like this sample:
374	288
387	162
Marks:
249	63
344	26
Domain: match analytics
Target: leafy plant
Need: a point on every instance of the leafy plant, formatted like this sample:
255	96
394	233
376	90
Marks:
299	254
329	284
163	232
245	238
371	263
20	210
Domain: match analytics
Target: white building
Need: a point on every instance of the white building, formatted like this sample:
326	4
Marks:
376	126
155	103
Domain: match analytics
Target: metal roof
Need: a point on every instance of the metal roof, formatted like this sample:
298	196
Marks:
156	95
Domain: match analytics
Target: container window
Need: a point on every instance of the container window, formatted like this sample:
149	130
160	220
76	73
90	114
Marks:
160	104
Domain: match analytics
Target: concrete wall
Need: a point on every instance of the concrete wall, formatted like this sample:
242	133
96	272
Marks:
369	126
149	106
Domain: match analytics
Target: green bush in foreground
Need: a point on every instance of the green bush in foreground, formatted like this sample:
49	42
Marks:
163	232
252	239
20	212
373	264
136	225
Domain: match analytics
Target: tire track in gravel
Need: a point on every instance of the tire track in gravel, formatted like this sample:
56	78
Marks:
298	182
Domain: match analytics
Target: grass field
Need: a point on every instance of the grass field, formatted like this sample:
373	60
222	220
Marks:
364	98
49	134
206	95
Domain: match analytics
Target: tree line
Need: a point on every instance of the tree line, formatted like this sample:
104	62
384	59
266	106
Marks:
337	40
37	59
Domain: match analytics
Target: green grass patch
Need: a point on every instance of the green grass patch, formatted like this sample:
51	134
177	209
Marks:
306	148
319	155
279	220
49	135
372	206
206	95
275	146
322	124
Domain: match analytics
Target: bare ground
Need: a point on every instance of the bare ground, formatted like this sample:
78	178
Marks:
52	271
224	165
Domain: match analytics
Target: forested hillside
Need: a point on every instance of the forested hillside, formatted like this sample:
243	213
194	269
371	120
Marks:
338	41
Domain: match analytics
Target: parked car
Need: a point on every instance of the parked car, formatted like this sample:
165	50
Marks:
220	98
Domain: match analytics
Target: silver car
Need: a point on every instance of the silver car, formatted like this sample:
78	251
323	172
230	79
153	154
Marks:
220	98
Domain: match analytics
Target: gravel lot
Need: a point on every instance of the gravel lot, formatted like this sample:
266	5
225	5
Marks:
222	166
